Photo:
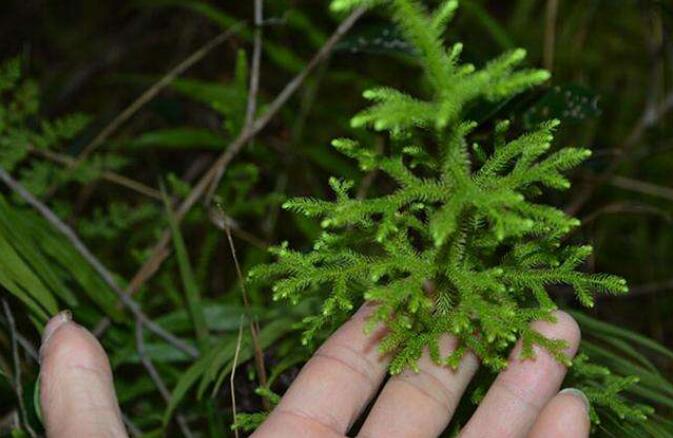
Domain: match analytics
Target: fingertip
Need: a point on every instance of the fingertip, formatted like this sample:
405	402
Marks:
566	415
71	345
579	399
54	324
564	327
67	348
77	396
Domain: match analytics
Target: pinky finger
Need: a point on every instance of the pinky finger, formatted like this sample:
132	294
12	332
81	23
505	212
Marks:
565	416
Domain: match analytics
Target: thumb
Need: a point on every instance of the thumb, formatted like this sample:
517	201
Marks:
76	391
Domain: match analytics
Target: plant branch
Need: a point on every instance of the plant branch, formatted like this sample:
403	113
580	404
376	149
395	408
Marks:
24	343
256	64
652	113
131	427
621	208
106	175
650	288
104	273
649	118
223	221
18	386
643	187
156	378
254	326
253	90
149	94
550	34
233	374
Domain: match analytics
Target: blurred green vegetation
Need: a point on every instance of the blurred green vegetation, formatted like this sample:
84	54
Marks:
83	63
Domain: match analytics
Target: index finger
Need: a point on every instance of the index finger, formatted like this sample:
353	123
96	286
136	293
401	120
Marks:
334	386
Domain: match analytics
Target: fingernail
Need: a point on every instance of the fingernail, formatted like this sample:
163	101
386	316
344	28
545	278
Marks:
54	324
579	394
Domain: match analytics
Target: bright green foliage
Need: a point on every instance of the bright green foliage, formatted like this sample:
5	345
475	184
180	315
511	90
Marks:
248	422
347	5
603	389
459	246
42	269
192	292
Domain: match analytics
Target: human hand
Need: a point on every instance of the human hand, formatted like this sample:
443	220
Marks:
335	386
346	373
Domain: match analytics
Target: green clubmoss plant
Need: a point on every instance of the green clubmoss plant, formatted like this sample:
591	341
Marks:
461	245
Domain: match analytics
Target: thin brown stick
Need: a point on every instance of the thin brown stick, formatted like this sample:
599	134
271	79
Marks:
253	90
256	64
621	208
18	386
649	118
634	292
654	110
132	429
550	33
369	179
160	251
106	175
151	92
650	288
156	378
233	374
223	221
147	96
24	343
104	273
254	326
643	187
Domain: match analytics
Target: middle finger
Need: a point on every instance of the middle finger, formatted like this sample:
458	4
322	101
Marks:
421	404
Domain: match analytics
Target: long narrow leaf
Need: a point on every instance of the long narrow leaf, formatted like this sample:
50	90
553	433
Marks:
192	292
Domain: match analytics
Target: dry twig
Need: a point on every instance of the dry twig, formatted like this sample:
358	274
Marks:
253	91
650	288
156	378
18	386
648	119
233	373
254	326
131	428
151	92
642	187
106	175
621	208
27	345
550	34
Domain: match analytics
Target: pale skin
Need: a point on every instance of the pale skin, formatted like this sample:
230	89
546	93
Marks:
334	388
